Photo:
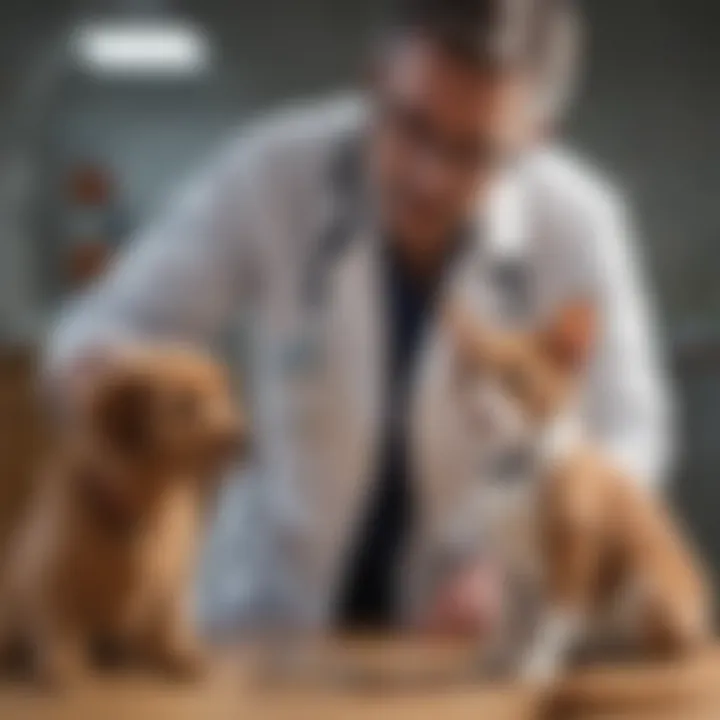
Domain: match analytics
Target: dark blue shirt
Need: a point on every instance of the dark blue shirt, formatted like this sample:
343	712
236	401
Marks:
369	597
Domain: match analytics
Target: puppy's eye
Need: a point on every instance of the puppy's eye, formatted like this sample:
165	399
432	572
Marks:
186	406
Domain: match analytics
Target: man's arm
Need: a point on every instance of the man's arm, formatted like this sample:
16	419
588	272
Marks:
181	278
627	403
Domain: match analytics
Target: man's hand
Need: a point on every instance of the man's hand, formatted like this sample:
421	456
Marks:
469	602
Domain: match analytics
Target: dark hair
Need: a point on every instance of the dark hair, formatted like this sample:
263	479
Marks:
540	36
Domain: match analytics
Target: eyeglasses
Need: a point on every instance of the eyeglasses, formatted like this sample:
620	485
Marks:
470	155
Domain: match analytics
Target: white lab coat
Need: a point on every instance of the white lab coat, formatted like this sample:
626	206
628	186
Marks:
246	235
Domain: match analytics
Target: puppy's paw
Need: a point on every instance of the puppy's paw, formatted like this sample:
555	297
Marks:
58	671
186	664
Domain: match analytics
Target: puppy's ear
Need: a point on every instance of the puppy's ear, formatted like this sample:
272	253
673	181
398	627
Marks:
571	334
123	412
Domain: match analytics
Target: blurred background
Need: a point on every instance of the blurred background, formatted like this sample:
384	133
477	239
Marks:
96	129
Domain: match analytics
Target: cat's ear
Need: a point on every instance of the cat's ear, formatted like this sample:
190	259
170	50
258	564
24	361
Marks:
571	335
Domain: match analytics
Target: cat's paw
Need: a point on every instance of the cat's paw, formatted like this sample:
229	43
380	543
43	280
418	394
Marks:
541	667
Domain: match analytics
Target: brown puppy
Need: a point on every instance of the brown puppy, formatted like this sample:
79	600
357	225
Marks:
107	551
607	553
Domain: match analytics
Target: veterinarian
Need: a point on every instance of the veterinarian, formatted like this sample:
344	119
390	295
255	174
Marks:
338	228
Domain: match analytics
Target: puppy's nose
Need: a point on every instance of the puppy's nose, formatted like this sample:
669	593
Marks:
234	441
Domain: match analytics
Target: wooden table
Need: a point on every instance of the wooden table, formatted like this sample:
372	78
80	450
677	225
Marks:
233	690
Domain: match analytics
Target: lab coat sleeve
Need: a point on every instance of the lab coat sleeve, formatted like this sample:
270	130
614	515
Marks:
183	276
628	405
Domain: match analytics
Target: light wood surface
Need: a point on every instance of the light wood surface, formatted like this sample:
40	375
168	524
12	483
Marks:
233	689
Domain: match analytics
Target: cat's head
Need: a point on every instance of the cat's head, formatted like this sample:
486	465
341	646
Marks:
515	383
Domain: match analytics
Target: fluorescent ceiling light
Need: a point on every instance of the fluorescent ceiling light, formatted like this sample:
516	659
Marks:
141	48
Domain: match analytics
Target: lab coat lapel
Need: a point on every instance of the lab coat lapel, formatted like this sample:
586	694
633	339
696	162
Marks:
358	340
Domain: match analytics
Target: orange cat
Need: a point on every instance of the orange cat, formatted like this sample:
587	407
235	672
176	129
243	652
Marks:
107	550
607	553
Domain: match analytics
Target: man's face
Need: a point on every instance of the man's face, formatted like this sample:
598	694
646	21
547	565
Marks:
444	131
